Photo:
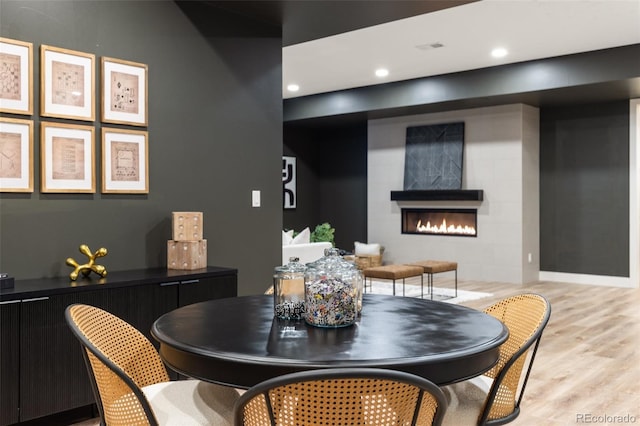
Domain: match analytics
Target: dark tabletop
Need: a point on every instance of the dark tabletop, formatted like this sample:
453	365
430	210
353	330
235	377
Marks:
237	341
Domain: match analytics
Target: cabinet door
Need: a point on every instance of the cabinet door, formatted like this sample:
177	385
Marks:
53	375
9	362
140	306
193	291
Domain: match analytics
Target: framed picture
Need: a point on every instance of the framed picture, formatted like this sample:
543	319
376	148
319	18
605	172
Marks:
67	158
16	155
16	76
67	84
124	92
125	166
433	156
289	182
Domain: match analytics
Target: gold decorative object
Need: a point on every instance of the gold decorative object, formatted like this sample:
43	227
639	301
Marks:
86	268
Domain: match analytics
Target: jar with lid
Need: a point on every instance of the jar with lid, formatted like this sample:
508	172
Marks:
288	290
332	289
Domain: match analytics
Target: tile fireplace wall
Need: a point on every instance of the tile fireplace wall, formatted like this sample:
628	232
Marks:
501	157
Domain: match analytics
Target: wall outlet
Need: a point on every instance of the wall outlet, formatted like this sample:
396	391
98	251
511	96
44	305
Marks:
255	198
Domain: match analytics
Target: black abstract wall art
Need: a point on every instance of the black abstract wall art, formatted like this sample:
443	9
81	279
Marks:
433	157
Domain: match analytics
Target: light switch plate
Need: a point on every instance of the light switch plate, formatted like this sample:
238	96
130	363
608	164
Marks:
255	198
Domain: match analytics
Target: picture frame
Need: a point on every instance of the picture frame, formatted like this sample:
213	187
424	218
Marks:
67	158
124	92
16	76
289	182
125	163
67	83
16	155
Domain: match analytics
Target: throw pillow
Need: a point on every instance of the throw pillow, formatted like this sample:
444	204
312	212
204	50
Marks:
362	249
304	237
287	237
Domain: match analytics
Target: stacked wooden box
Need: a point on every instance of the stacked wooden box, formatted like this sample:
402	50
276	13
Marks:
187	250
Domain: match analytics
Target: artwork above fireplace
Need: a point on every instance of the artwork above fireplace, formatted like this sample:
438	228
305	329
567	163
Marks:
449	222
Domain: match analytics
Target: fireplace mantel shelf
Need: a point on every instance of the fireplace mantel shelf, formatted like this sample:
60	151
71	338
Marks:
438	195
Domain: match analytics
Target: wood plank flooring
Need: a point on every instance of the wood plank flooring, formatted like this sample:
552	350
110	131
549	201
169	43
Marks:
588	361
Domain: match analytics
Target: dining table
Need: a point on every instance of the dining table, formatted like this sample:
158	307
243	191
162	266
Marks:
239	342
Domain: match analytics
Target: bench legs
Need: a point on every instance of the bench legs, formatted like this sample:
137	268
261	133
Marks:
430	282
403	285
394	285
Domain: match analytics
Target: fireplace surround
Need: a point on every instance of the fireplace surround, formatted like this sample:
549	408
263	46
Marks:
440	221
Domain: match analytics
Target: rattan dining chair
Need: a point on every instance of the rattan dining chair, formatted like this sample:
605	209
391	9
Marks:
130	381
342	396
495	397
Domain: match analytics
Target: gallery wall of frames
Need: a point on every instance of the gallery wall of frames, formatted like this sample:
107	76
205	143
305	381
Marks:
67	141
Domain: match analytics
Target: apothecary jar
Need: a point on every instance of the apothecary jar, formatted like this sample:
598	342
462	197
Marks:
333	291
288	290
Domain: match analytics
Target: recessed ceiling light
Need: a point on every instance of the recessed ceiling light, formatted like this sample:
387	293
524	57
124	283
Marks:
499	52
382	72
293	87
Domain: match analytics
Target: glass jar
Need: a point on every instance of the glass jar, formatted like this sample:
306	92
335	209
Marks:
288	290
332	288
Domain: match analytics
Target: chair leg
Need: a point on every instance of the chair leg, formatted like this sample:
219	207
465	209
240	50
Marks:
403	287
394	287
422	286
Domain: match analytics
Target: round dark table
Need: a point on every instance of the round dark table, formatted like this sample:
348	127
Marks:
238	342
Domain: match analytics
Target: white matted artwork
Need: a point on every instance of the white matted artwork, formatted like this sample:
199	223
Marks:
124	92
125	167
16	155
67	158
67	83
289	182
16	76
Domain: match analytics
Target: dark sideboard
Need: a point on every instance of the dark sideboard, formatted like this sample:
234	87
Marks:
41	367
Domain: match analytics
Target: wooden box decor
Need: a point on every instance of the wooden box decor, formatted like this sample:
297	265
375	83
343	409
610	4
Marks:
186	255
187	250
187	226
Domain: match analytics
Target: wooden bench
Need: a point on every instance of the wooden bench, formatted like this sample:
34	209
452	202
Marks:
431	267
395	272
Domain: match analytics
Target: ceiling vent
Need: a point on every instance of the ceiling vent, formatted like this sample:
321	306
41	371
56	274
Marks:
429	46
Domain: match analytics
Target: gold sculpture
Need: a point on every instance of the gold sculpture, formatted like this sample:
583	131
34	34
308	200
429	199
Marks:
89	266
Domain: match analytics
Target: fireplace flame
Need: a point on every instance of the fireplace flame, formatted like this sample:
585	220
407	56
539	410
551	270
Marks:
443	228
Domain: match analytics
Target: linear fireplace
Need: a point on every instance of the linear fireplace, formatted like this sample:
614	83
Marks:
453	222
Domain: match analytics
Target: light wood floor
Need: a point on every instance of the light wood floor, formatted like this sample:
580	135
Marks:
588	359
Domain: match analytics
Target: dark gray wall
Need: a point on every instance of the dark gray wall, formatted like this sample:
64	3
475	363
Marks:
332	179
300	143
215	134
584	189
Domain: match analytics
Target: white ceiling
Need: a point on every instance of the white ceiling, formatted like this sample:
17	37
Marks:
529	29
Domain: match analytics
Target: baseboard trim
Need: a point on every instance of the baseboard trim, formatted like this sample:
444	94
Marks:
603	280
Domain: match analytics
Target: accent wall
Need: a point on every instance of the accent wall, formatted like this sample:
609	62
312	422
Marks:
215	134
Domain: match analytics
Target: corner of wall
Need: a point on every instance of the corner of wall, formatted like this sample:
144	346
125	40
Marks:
530	193
634	193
